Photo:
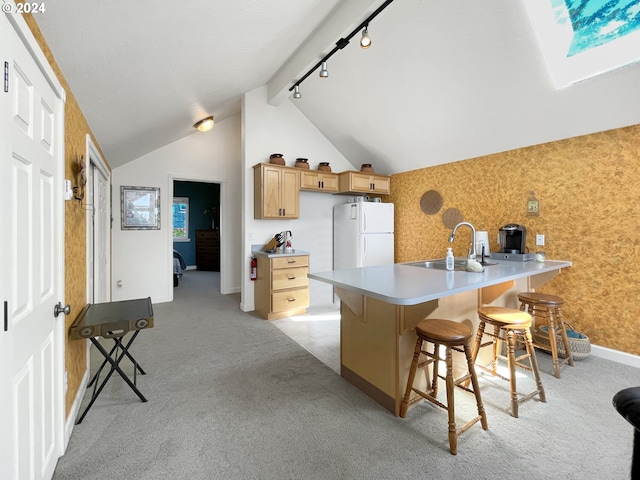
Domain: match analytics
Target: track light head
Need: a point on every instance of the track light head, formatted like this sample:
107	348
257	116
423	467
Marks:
296	92
324	73
365	41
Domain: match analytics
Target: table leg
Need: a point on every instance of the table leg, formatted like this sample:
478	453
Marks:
117	343
114	367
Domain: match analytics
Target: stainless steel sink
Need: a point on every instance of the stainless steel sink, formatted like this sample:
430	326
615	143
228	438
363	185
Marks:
440	264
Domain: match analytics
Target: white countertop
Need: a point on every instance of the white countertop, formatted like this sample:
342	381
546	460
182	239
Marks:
279	254
402	284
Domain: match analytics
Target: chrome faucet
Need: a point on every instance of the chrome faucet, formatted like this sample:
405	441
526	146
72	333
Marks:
472	250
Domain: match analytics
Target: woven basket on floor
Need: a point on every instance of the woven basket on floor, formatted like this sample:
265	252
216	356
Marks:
578	342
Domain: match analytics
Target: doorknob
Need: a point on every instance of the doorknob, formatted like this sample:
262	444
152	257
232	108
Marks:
58	309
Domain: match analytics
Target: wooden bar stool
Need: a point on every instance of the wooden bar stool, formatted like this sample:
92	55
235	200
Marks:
548	309
511	325
453	336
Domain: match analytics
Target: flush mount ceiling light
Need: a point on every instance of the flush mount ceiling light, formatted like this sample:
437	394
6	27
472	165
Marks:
365	41
205	124
324	73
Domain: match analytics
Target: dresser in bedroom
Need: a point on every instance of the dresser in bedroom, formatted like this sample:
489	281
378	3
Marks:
208	250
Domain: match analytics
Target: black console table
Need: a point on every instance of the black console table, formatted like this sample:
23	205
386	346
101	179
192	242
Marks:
113	320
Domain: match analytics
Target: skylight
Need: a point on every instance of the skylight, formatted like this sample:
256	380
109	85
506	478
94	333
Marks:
580	39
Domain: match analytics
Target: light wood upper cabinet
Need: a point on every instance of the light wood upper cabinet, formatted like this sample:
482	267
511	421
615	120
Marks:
276	192
359	182
318	181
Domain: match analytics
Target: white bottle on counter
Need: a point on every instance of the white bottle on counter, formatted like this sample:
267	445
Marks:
449	260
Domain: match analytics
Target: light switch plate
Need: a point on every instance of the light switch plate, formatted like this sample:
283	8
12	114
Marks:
68	191
540	240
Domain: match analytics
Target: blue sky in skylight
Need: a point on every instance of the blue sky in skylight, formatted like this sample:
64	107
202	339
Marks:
597	22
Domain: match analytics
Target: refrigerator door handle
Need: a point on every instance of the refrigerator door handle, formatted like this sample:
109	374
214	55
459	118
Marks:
364	250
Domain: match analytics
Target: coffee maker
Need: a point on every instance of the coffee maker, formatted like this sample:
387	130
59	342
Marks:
513	238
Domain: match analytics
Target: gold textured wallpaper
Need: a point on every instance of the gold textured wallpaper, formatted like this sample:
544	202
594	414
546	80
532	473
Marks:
76	129
589	193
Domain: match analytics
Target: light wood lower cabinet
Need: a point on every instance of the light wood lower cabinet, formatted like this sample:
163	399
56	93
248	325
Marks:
368	324
282	286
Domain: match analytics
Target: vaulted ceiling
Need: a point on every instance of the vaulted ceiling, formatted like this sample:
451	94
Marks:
444	80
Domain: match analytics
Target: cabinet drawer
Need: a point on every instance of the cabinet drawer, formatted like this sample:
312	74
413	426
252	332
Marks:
289	278
289	300
288	262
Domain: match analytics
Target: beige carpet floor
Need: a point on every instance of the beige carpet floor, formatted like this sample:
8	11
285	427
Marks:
231	396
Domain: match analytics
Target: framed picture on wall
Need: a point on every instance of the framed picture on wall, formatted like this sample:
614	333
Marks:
140	208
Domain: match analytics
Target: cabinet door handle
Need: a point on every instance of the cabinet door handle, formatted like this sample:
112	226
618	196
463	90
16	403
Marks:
291	299
291	278
283	212
291	261
322	184
319	184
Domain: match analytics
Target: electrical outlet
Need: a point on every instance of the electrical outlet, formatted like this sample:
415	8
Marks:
540	240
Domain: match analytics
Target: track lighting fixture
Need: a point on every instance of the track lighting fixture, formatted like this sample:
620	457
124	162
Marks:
324	73
205	124
365	41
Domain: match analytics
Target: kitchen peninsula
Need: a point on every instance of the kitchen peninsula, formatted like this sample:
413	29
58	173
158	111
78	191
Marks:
380	306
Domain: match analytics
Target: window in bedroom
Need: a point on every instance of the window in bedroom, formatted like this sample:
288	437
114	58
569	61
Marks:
180	219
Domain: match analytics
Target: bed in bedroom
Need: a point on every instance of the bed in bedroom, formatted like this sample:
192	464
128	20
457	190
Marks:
178	267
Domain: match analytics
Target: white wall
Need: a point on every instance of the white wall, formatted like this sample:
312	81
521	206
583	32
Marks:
227	154
283	129
142	260
450	80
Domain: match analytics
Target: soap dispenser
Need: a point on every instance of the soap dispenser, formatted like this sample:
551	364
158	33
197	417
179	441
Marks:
449	260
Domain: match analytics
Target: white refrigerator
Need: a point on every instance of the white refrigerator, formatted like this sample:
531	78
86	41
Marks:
362	235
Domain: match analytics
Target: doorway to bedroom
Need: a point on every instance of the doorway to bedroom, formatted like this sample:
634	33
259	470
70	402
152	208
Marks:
196	229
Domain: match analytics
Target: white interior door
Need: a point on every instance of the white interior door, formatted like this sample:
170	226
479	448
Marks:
101	233
97	202
31	175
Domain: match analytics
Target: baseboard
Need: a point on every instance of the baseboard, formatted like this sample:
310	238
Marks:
615	356
75	409
247	307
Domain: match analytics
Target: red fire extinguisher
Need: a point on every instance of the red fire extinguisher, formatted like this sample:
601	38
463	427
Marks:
254	268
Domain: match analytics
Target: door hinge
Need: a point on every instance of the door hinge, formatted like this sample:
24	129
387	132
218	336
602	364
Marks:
6	316
6	77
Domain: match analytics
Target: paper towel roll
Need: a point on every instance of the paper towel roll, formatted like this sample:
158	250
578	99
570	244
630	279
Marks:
482	238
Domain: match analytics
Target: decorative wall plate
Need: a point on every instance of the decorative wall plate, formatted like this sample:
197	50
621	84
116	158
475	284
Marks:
451	217
431	202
